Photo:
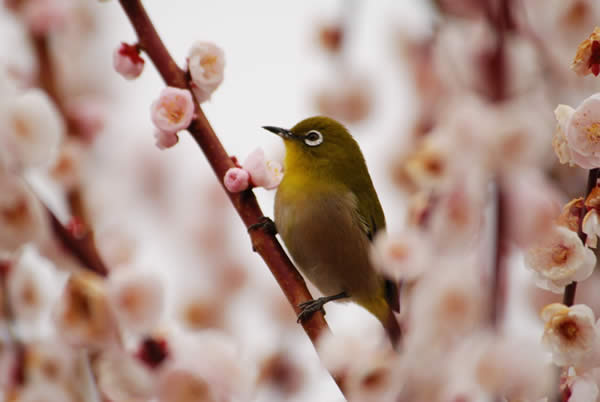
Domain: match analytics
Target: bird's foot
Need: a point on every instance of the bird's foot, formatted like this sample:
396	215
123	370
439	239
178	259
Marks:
265	223
312	306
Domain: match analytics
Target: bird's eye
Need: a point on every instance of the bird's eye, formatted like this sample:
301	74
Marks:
313	138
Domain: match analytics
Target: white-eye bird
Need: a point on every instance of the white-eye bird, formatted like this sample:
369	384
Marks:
327	213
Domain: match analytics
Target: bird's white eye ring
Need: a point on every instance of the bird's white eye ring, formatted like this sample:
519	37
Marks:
313	138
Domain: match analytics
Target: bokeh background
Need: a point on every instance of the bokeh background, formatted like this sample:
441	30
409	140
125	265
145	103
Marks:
164	212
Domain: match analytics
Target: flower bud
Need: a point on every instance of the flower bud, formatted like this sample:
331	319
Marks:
127	61
165	139
236	180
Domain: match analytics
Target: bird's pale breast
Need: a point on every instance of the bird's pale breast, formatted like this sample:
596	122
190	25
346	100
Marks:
323	234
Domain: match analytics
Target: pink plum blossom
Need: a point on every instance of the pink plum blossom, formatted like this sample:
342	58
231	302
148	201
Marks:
577	137
206	63
173	110
263	173
127	61
165	139
236	180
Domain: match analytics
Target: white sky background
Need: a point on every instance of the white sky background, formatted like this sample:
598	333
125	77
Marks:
273	66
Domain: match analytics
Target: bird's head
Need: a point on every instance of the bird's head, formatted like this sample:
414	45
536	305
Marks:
318	142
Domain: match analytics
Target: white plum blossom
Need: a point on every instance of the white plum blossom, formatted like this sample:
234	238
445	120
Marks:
32	132
173	110
122	377
559	259
514	368
446	304
263	173
30	284
207	367
21	216
83	314
570	333
137	298
577	136
400	256
206	63
51	361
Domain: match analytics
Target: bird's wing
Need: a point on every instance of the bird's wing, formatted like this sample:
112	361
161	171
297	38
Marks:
369	214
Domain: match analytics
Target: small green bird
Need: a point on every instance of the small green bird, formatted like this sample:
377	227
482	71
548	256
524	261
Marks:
327	213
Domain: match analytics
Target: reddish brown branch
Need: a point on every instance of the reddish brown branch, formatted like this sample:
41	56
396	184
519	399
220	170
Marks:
498	285
82	247
288	278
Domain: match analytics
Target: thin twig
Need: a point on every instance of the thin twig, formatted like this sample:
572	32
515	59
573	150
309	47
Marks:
81	247
498	283
265	244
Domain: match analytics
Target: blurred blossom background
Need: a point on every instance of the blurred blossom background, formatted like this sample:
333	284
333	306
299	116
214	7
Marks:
452	103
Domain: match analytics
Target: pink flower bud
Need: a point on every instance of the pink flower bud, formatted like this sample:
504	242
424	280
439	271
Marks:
165	139
206	63
236	180
263	173
127	61
173	110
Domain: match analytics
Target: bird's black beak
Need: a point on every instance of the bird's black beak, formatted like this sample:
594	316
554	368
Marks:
282	132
